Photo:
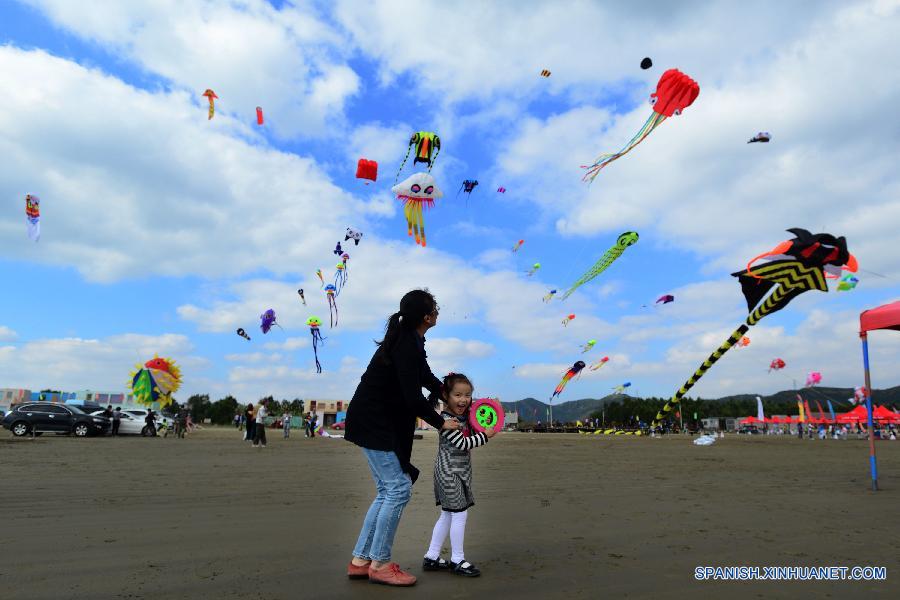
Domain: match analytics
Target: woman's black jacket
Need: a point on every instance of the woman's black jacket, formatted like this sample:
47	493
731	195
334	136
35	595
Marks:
382	414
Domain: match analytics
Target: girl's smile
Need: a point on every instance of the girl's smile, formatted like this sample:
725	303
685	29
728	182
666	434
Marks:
459	398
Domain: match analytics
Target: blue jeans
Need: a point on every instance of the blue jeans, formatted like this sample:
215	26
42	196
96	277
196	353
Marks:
394	490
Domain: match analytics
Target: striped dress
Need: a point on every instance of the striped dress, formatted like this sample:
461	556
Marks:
453	467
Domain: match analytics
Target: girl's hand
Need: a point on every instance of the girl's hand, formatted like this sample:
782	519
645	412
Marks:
489	432
451	424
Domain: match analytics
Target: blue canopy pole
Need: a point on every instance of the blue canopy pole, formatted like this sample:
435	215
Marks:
865	348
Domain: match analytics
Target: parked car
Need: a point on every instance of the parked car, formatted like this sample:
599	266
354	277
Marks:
128	425
141	413
339	426
48	417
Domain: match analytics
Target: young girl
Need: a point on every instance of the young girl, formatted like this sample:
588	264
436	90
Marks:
453	478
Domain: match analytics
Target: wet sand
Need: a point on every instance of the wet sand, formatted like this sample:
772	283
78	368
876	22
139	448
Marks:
557	516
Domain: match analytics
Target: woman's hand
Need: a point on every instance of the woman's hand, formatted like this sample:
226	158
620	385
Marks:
450	424
489	432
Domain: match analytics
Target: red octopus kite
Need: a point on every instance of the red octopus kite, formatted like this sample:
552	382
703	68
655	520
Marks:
674	92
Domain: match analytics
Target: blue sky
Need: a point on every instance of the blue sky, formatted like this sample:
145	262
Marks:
164	232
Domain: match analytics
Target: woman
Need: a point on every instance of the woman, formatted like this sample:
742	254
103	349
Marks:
248	416
381	419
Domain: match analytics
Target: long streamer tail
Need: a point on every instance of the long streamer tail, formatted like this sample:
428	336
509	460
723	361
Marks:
608	258
316	354
604	159
706	366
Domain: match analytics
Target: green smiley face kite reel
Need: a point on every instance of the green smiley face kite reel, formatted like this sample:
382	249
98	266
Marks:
485	413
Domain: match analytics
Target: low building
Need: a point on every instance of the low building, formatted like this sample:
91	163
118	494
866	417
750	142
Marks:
326	411
10	396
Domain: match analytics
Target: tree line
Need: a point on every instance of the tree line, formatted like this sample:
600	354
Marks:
222	411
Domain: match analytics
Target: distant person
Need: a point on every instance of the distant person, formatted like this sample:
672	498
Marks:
237	421
306	425
453	479
189	423
259	430
248	419
313	425
108	412
116	420
181	418
150	423
286	424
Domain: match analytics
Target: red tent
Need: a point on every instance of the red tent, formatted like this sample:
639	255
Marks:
857	415
751	421
883	414
883	317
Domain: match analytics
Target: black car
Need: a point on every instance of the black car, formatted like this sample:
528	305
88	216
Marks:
48	417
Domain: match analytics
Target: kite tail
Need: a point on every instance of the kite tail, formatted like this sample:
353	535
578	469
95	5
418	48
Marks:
316	354
607	259
212	109
407	212
706	366
604	159
403	164
421	222
434	158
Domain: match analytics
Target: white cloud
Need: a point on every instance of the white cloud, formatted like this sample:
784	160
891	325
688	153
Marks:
101	364
291	343
454	350
7	334
134	184
288	61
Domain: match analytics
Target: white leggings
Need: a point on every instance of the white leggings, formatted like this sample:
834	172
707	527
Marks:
455	523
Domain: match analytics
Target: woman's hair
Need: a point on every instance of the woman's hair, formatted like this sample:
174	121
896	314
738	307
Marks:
451	379
414	307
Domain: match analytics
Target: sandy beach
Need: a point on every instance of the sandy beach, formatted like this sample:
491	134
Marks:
556	516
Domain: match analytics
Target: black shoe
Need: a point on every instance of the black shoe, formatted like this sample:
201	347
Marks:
435	565
465	568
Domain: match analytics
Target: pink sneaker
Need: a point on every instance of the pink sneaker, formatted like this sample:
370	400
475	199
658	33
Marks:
358	572
391	574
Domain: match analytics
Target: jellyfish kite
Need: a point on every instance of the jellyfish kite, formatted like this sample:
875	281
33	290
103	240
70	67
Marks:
814	378
243	333
743	342
629	238
367	169
534	269
340	278
338	250
776	365
847	283
302	297
417	192
33	216
567	377
665	299
675	91
330	293
313	323
599	363
549	295
266	320
427	145
518	245
589	346
762	136
566	321
501	190
321	278
353	234
344	258
155	381
259	115
620	389
211	95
